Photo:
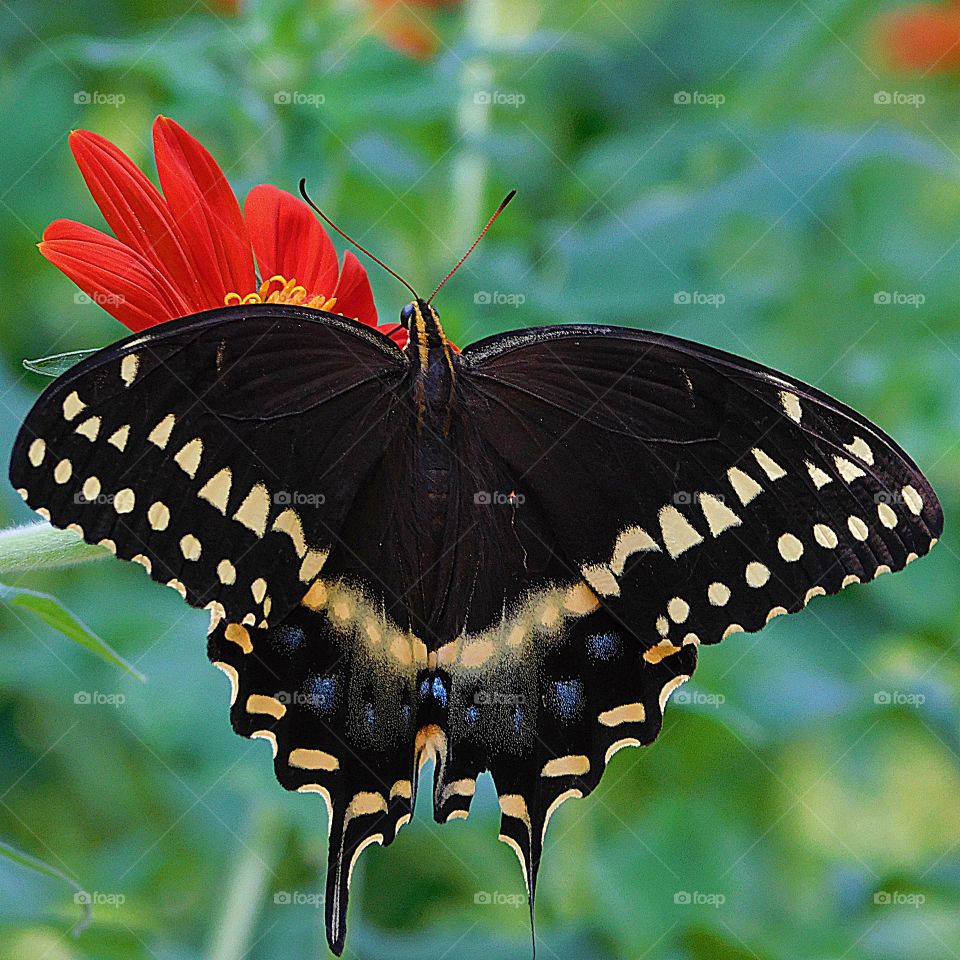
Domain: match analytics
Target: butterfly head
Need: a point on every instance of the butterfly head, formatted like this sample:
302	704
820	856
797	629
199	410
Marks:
421	321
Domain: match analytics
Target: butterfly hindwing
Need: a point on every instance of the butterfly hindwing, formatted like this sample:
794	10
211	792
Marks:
222	451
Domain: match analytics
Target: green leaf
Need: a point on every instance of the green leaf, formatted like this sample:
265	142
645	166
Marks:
40	546
81	897
50	610
58	363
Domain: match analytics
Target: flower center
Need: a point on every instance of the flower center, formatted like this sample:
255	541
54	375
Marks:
279	289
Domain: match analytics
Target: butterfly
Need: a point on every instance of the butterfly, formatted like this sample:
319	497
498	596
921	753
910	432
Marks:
499	559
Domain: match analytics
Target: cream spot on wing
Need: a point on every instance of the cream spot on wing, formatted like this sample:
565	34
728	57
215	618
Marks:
316	597
580	600
477	653
732	629
744	486
253	512
63	471
669	687
37	451
91	488
259	703
289	522
160	435
306	759
887	516
232	676
190	547
240	636
144	562
259	589
106	543
678	534
849	580
790	547
618	745
819	477
267	735
124	500
849	471
572	766
881	570
858	528
24	493
860	448
76	528
44	512
119	437
825	536
90	428
312	564
912	499
129	366
813	592
188	457
628	713
158	516
691	639
776	612
678	610
601	578
791	405
718	515
630	541
718	594
227	573
911	556
767	464
572	794
72	405
663	626
756	574
216	491
178	586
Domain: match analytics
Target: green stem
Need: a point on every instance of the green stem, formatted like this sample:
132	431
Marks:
39	546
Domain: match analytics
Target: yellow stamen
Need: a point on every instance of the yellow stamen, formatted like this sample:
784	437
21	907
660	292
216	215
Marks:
278	289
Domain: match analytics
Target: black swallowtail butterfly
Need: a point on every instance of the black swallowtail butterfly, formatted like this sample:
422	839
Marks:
503	559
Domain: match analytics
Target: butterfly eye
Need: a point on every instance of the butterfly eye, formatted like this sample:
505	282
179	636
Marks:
406	314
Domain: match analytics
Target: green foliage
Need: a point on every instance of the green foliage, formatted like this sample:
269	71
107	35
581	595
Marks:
799	803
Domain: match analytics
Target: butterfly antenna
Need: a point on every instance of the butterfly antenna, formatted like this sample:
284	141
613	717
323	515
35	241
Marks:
349	239
473	246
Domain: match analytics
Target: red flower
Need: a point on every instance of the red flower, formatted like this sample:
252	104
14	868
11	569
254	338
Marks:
925	37
401	24
190	248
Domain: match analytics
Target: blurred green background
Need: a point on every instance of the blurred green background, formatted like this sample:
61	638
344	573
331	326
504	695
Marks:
749	174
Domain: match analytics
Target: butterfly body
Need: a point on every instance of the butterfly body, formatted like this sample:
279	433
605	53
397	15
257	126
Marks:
501	559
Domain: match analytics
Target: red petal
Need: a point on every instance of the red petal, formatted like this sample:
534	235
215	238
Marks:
399	335
922	38
205	209
290	241
136	212
353	293
119	279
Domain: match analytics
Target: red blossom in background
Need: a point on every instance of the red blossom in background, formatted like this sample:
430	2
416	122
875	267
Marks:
924	37
189	248
406	25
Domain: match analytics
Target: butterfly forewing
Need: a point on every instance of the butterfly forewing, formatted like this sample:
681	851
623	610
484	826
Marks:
221	452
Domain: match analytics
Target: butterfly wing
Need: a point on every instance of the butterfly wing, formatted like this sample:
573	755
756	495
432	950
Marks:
695	494
221	451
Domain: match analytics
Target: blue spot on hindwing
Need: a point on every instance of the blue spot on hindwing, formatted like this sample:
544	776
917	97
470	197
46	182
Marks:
320	694
603	646
566	699
439	691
